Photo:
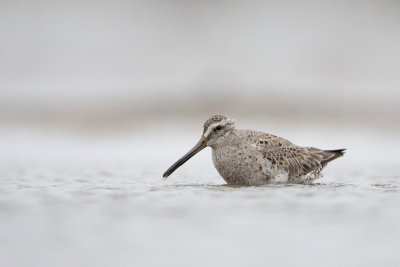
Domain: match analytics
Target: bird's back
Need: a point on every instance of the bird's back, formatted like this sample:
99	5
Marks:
301	164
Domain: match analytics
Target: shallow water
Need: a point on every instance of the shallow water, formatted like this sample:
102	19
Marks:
82	201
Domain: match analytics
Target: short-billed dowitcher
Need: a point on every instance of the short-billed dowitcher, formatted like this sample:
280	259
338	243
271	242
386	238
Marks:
245	157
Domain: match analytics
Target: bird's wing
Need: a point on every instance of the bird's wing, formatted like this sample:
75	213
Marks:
283	154
297	161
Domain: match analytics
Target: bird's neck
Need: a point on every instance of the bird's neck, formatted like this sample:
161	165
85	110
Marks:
229	139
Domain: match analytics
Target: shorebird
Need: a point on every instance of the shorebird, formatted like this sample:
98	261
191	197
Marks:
245	157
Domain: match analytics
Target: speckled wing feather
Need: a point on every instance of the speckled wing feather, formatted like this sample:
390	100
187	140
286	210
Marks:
265	141
296	161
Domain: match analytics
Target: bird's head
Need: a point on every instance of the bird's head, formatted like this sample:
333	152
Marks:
215	129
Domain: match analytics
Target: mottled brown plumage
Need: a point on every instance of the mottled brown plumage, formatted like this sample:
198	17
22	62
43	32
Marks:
248	157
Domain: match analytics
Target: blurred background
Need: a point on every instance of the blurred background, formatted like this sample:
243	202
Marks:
98	98
124	63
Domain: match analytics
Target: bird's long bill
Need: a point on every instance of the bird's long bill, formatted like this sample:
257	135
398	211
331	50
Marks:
198	147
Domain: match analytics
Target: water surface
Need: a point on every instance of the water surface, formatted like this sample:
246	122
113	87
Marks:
83	201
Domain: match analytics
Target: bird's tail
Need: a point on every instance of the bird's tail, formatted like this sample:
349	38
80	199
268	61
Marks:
332	154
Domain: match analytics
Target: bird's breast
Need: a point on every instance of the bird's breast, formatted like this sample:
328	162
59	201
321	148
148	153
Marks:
240	165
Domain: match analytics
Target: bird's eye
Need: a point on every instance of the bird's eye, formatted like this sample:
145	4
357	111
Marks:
219	127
